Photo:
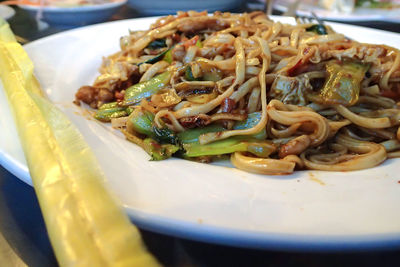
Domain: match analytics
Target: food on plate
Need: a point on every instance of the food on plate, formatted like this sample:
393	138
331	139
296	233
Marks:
346	6
272	96
349	5
58	3
388	4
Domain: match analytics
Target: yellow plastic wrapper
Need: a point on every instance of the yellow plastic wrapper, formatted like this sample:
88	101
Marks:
86	226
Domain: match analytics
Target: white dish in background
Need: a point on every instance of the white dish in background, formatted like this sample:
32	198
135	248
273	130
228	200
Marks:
308	210
6	12
74	16
359	14
162	7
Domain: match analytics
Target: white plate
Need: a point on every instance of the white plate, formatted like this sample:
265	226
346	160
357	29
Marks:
308	210
6	12
359	14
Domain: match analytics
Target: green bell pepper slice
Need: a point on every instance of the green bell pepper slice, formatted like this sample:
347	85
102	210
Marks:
343	83
106	114
192	135
229	145
252	144
143	122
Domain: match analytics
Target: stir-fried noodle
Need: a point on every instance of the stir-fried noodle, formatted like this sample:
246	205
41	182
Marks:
273	96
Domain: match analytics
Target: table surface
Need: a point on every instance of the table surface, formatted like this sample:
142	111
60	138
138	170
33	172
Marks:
24	240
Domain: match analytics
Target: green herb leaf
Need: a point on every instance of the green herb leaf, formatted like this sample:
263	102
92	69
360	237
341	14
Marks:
318	29
157	43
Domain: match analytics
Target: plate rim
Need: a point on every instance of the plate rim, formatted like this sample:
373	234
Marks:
262	240
10	12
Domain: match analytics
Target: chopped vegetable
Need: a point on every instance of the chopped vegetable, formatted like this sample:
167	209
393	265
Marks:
106	114
189	74
192	135
289	90
229	145
318	29
261	149
202	71
168	56
199	44
165	135
343	83
157	43
141	122
159	151
139	91
109	105
251	121
156	58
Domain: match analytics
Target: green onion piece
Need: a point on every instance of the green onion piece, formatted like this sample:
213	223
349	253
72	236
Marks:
229	145
189	74
156	58
109	105
251	121
192	135
225	146
165	135
105	115
199	44
141	122
159	151
168	56
139	91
